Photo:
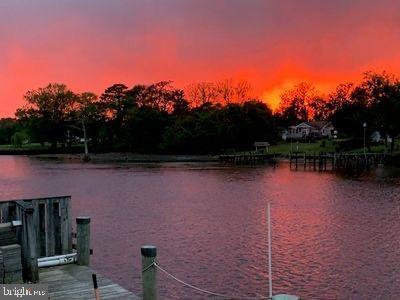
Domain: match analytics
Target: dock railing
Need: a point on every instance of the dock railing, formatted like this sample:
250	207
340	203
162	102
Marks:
43	229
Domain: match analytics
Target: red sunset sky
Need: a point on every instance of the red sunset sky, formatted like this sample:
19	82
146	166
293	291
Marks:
91	44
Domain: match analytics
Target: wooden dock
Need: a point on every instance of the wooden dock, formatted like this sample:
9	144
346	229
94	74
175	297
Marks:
247	158
37	246
336	161
75	282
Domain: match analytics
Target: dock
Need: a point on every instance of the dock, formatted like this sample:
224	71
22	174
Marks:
75	282
37	245
247	158
336	161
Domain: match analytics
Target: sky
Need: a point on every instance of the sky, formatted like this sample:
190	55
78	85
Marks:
274	44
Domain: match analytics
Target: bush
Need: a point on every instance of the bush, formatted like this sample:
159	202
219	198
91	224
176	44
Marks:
19	138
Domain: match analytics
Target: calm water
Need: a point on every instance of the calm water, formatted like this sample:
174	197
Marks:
333	238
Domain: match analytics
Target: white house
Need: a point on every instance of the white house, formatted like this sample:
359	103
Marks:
317	129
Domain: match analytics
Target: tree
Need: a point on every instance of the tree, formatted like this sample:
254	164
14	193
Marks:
318	109
381	93
48	112
8	127
19	138
161	96
114	100
202	93
295	103
341	96
90	114
226	91
243	91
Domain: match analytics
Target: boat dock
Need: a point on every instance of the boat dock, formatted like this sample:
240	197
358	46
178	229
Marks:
336	161
247	158
37	245
75	282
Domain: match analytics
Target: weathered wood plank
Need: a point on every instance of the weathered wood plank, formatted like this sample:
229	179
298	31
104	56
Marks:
42	229
50	241
66	225
75	282
57	227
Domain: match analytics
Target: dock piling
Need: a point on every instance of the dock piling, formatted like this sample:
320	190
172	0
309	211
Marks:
149	271
83	240
30	243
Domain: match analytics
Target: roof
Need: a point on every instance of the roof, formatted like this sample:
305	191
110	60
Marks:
315	124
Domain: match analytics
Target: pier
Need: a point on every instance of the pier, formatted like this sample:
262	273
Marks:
336	161
247	158
75	282
37	246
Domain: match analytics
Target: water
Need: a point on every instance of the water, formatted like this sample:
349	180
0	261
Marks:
333	237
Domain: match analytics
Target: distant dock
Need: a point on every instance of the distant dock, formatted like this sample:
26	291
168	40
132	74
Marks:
336	161
247	158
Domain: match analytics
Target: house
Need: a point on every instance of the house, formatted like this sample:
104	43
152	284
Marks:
316	129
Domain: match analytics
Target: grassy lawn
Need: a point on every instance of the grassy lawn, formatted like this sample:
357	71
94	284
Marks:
25	146
322	146
34	146
314	147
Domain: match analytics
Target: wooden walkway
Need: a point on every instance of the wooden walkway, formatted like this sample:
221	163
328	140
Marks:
75	282
336	161
247	158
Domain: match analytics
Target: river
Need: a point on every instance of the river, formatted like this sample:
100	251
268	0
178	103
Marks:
333	237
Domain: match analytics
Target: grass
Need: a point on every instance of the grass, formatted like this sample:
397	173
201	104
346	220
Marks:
312	147
33	146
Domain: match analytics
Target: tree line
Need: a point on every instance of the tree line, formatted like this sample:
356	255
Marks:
374	103
205	118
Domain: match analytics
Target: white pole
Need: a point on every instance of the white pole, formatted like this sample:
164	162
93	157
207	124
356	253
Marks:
85	138
269	251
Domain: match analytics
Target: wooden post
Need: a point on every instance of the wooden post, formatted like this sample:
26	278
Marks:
83	240
30	240
149	254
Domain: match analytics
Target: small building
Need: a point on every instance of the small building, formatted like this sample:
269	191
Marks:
316	129
262	145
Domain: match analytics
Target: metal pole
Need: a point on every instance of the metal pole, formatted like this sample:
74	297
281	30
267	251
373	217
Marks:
269	251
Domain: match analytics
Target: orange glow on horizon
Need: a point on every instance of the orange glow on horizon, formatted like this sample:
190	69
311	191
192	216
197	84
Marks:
90	45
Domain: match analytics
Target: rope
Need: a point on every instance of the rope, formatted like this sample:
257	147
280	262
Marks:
203	290
149	266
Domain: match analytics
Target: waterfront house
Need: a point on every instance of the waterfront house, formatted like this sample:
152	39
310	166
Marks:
316	129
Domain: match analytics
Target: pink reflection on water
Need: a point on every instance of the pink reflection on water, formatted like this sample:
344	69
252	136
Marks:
333	238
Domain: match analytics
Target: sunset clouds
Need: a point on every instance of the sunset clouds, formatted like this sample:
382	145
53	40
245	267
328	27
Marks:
90	44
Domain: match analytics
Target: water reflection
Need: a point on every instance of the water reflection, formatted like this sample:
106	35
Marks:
333	237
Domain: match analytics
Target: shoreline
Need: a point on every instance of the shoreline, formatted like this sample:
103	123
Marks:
129	157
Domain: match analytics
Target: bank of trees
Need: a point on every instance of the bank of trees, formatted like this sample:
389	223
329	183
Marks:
206	118
374	101
145	118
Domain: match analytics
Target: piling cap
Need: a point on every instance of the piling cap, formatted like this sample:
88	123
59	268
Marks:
82	220
149	251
